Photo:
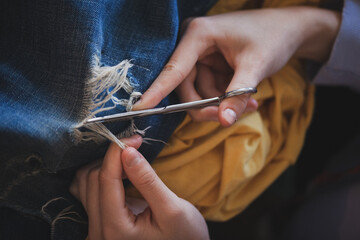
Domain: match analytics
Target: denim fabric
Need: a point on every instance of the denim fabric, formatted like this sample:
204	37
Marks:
47	52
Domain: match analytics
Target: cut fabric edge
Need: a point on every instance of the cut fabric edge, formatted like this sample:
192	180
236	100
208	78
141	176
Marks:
99	90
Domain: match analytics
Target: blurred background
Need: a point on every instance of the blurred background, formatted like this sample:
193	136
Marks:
327	162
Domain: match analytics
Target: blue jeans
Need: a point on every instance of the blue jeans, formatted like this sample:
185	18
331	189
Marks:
48	52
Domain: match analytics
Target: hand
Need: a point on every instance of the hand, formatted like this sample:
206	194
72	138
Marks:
229	51
100	188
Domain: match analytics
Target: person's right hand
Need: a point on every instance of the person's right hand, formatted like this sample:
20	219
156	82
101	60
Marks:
225	52
99	187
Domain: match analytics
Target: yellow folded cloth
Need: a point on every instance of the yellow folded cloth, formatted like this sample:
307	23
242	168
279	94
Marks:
222	170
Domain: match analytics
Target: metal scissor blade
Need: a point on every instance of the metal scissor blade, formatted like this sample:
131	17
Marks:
171	108
162	110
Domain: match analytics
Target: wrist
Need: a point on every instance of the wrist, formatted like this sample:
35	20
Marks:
319	28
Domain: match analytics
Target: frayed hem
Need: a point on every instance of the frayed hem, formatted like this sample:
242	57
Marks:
99	90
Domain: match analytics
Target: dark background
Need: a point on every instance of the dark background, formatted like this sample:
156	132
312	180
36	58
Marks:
335	123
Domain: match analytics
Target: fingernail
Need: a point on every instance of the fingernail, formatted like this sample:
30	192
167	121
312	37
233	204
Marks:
137	104
229	115
132	158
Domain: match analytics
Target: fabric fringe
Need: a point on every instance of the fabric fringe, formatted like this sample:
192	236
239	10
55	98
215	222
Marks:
100	90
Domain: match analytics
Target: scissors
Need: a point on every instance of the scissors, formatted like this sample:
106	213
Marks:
215	101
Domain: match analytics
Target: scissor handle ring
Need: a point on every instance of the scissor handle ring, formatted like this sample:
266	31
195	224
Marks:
240	91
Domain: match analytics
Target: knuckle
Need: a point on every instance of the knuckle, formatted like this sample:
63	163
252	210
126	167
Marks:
202	29
200	24
236	104
176	212
173	68
103	177
241	101
148	180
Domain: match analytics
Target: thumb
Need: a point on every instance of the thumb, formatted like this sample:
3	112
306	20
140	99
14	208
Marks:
233	107
144	178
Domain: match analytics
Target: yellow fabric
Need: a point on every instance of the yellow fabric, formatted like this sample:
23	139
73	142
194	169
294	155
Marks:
222	170
224	6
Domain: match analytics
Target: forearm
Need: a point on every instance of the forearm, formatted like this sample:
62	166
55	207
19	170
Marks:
319	28
342	67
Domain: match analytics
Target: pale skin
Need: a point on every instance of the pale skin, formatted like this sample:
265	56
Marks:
99	187
216	54
229	51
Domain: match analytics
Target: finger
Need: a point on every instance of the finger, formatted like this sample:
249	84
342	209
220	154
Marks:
204	114
79	183
85	188
92	206
219	70
111	165
251	106
231	108
144	178
191	46
187	93
113	210
206	82
74	188
217	62
186	90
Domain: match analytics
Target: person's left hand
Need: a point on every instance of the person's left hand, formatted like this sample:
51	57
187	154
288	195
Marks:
225	52
100	188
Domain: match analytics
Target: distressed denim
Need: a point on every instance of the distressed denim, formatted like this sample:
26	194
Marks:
48	50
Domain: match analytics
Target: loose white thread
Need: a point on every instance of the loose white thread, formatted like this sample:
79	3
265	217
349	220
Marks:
64	214
99	90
